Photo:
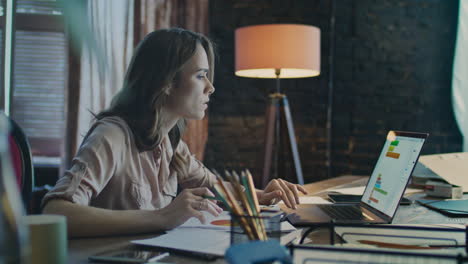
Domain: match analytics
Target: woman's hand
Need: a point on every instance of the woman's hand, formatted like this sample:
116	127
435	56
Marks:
279	189
189	203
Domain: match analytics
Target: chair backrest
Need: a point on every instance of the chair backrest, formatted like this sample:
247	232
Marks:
20	152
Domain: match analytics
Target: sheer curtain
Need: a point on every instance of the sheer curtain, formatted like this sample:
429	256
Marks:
460	74
114	27
188	14
106	49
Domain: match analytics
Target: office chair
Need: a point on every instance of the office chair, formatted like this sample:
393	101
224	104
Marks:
20	153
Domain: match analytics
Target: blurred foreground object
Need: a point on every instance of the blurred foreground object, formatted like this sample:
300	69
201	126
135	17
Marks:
14	237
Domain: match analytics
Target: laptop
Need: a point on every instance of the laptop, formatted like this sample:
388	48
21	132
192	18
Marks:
383	191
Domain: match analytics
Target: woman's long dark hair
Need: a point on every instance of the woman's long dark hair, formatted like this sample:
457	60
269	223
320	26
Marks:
154	67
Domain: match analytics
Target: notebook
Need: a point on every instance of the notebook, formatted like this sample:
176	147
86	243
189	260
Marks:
210	240
383	191
454	208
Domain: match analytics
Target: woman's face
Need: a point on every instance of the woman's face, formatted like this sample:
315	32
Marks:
189	96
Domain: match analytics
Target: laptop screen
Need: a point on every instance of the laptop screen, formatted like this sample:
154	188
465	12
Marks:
392	171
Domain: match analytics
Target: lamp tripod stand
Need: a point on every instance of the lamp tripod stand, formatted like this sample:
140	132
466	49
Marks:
281	158
278	51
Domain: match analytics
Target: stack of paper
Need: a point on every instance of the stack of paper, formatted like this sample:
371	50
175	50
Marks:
451	167
360	190
206	241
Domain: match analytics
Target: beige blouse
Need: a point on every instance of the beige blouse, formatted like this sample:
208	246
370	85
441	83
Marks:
109	172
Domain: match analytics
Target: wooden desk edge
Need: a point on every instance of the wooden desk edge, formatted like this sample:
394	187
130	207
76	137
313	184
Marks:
348	180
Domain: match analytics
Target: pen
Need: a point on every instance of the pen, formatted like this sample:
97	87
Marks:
445	246
158	257
405	246
284	217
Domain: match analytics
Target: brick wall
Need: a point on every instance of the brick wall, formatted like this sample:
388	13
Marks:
392	70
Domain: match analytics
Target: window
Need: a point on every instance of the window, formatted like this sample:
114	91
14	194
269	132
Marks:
38	95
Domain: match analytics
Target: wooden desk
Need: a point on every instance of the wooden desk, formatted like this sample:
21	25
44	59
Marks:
320	187
81	249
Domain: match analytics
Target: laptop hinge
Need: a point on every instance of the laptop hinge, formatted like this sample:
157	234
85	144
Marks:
373	211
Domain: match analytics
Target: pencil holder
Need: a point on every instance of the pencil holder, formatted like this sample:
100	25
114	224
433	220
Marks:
246	228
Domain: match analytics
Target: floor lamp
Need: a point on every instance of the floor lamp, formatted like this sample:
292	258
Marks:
278	51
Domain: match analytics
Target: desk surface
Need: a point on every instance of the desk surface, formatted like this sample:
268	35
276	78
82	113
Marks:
81	249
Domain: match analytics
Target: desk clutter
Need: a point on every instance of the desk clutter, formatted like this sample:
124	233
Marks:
413	236
245	214
211	239
248	233
442	175
443	190
242	222
355	243
388	244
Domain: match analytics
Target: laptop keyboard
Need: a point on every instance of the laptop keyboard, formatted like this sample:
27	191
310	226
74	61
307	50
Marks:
342	212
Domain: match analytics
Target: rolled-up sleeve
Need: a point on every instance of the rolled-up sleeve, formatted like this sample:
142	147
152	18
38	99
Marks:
198	175
93	166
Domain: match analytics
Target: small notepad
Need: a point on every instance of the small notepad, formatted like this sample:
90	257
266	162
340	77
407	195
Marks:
447	207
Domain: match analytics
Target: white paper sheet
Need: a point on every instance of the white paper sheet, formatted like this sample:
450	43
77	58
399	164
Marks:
206	241
222	222
311	200
360	190
212	222
270	208
452	167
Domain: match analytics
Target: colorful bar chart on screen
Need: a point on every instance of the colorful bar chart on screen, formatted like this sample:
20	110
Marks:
391	150
378	189
393	155
391	173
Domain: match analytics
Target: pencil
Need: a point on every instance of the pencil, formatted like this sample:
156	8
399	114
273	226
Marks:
222	196
235	180
250	189
395	245
236	209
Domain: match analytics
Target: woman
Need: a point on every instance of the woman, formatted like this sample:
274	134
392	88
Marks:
124	177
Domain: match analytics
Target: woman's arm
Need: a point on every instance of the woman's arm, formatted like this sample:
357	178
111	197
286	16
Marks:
278	189
83	220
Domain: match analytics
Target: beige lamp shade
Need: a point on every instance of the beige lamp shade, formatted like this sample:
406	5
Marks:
262	49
